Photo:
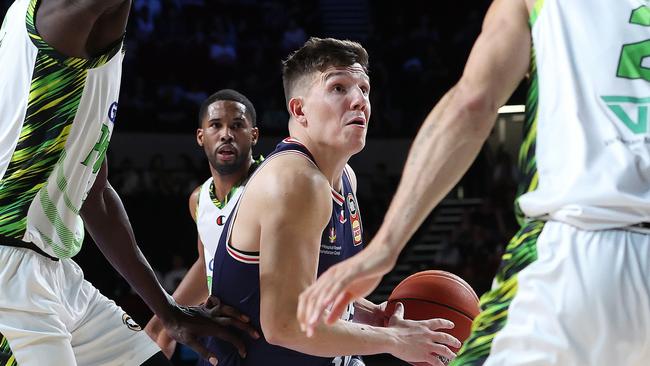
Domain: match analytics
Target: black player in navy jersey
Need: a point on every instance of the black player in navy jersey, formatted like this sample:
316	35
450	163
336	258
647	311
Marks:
298	216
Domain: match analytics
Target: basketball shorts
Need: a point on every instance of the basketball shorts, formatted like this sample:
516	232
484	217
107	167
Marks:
565	296
50	315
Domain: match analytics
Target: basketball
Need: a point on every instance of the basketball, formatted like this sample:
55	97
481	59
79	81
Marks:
437	294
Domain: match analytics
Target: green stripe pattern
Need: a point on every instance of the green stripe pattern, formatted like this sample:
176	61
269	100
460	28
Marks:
527	160
6	357
55	92
534	13
520	252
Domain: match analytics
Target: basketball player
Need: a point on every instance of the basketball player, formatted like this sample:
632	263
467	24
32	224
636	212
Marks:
298	215
227	132
574	285
61	68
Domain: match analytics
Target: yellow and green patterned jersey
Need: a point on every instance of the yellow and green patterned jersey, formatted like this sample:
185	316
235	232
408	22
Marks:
56	118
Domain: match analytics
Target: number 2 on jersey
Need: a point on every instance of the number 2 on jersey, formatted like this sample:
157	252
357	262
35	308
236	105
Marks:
630	64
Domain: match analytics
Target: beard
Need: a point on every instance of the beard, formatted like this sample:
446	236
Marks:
228	168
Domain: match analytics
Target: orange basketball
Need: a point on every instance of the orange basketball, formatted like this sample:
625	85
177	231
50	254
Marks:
437	294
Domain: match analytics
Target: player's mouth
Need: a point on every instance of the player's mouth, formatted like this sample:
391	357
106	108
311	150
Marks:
227	152
359	121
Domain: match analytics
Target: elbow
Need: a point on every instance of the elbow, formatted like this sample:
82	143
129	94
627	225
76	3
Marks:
477	107
282	331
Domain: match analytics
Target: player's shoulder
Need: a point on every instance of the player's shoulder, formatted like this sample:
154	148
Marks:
194	201
290	176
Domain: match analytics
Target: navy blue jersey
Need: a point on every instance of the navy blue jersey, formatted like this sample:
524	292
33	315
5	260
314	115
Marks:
236	275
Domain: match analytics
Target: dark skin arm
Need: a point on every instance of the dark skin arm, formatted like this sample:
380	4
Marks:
108	224
82	28
85	28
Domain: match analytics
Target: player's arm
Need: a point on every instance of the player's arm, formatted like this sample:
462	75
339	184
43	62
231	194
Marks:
446	145
289	251
82	28
108	224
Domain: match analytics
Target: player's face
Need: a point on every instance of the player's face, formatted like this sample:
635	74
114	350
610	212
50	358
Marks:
227	136
337	107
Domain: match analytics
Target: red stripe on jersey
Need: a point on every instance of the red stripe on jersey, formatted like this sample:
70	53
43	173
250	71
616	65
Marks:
241	257
336	196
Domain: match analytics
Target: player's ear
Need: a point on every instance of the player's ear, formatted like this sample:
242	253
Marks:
255	135
296	110
199	136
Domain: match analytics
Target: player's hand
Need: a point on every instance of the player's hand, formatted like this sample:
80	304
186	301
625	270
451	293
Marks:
188	323
366	312
156	330
341	284
419	341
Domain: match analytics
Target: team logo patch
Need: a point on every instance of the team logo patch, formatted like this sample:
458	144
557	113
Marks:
356	232
112	112
342	218
221	220
130	323
332	235
352	206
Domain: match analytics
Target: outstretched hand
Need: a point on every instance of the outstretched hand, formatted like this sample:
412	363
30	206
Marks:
341	284
212	318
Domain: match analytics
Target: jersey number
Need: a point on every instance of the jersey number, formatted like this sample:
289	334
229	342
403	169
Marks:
630	64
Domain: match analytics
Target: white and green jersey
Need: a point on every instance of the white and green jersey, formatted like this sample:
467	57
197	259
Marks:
211	216
586	155
56	118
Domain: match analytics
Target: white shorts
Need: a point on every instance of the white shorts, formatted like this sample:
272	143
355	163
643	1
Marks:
585	301
52	316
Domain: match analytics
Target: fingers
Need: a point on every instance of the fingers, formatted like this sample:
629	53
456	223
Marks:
324	296
232	322
215	308
441	350
202	351
399	311
439	323
338	307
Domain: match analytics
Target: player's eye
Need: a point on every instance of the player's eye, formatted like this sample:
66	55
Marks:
338	88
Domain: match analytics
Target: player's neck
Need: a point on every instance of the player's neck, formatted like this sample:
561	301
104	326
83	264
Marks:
224	183
330	161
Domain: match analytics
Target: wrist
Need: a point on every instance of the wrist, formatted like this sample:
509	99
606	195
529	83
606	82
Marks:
392	341
167	310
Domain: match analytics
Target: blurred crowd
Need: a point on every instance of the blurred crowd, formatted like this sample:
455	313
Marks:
180	51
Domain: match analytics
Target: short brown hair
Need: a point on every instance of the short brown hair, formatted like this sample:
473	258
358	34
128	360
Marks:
317	54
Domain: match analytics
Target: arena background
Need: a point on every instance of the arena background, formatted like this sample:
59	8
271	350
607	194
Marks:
180	51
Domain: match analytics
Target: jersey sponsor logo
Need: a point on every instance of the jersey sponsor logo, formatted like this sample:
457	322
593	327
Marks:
354	220
632	112
112	112
356	232
332	236
221	220
130	323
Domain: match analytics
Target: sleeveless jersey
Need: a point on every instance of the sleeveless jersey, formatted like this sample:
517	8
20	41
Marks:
56	118
238	275
586	155
210	221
